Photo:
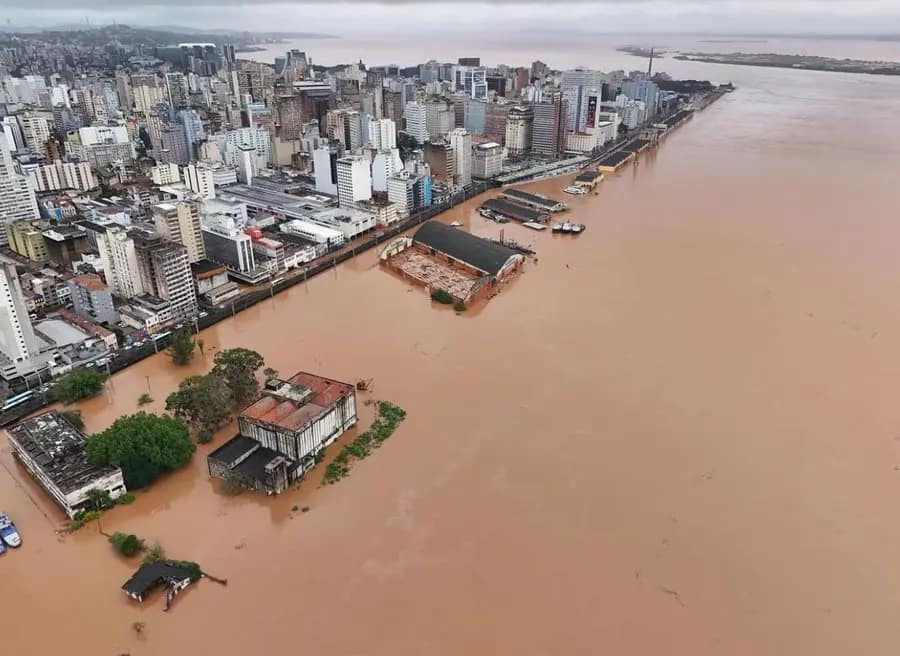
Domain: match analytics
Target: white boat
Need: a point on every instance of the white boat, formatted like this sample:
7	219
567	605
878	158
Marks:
455	224
8	533
575	191
534	225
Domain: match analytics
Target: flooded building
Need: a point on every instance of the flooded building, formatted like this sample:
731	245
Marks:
281	433
53	452
439	256
176	576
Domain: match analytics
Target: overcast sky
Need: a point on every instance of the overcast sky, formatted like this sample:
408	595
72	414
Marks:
401	16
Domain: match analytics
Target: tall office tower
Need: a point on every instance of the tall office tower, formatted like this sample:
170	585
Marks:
119	261
83	105
392	105
173	146
12	130
17	339
325	167
124	92
429	72
382	133
495	122
36	130
201	179
519	126
165	272
193	129
538	70
180	222
471	80
469	61
415	114
355	129
440	118
549	130
354	180
148	91
17	199
177	86
461	143
577	85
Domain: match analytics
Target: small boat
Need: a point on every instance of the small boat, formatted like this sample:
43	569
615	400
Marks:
8	533
568	228
455	224
2	547
534	225
578	228
575	191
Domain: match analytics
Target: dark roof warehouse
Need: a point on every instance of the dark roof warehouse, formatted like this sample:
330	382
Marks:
464	247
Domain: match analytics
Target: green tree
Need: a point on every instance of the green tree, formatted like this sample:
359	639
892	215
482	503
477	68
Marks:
99	499
78	384
182	348
127	544
269	373
143	445
238	367
74	417
202	402
407	142
145	399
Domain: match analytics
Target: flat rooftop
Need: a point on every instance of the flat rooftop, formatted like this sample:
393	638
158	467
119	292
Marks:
615	159
512	210
533	199
57	447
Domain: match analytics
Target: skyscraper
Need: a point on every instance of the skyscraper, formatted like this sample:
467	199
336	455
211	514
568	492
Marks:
325	167
119	260
177	86
17	199
17	339
549	131
382	133
165	272
416	121
519	126
461	143
354	180
180	222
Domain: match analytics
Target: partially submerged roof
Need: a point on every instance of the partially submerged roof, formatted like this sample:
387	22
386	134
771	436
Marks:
479	253
149	575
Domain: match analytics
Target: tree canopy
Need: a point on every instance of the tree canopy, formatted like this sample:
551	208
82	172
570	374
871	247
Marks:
238	367
202	402
78	384
182	348
143	445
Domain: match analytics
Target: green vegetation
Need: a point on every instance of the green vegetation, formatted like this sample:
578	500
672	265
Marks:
269	373
182	348
386	422
78	384
459	306
127	544
143	445
99	499
125	499
441	296
238	367
82	517
74	417
154	553
145	399
202	402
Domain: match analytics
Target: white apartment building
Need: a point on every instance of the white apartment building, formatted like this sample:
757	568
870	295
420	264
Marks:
18	342
204	177
165	174
382	133
17	200
36	130
461	143
325	168
385	163
60	175
415	114
487	160
119	261
354	180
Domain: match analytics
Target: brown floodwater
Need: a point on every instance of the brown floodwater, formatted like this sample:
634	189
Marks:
677	433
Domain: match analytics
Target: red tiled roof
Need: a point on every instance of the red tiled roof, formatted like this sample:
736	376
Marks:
294	416
90	281
325	391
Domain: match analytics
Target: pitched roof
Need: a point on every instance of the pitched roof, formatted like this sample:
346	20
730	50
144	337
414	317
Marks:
480	253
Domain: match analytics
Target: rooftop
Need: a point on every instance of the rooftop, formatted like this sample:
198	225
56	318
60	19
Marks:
57	447
293	403
479	253
90	281
149	575
206	268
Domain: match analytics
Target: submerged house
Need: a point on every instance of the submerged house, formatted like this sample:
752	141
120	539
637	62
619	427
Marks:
175	575
283	431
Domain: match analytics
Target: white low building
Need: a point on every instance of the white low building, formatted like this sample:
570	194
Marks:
318	234
351	222
53	451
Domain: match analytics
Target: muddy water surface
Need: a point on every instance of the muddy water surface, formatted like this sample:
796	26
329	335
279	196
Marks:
677	433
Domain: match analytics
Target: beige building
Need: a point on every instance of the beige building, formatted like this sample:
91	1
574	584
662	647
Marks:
180	222
25	238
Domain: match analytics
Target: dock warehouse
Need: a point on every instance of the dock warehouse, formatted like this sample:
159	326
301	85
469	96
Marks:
615	161
535	201
514	210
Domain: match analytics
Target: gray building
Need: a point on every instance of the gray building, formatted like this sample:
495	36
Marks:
92	299
165	272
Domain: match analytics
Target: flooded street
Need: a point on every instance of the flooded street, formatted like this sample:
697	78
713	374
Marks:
677	433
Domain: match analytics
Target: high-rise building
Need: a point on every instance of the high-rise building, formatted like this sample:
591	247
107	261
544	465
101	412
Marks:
36	130
325	167
415	115
193	129
17	200
148	91
354	180
441	160
644	90
165	272
229	245
440	118
60	175
14	140
119	261
539	70
180	222
18	343
461	143
487	160
101	146
165	174
577	86
179	94
201	178
549	131
385	163
382	133
173	146
495	122
471	80
519	125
